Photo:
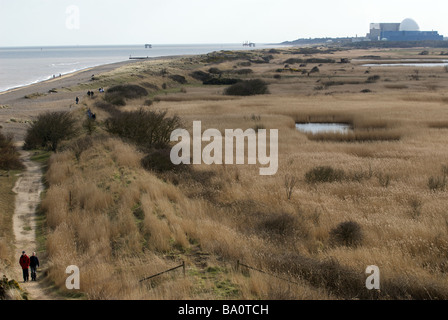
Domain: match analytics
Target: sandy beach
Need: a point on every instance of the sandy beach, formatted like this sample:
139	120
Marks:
15	109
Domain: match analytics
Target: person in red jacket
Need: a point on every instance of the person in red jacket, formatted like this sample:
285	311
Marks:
25	264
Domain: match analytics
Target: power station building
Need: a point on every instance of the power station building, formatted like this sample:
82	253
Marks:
407	30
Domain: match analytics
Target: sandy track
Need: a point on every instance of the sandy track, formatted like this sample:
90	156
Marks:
29	185
28	189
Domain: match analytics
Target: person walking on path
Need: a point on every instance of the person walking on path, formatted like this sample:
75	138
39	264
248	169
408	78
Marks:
77	100
25	264
34	263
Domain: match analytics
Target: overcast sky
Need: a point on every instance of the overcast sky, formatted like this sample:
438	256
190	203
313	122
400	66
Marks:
103	22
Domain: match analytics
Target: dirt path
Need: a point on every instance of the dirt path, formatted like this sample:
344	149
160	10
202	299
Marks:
28	188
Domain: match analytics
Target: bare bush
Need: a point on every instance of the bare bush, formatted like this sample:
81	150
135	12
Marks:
149	129
49	130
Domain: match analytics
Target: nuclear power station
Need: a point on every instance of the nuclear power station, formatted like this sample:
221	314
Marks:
407	30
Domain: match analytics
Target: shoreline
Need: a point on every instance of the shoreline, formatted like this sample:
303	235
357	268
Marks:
71	79
16	110
103	67
19	106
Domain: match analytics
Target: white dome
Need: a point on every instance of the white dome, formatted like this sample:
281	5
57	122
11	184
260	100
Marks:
409	25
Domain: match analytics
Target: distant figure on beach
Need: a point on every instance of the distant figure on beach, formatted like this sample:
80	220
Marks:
77	100
88	93
24	262
90	114
34	263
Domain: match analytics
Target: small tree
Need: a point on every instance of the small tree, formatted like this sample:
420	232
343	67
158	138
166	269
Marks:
49	129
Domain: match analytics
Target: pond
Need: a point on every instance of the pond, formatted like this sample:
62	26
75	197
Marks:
409	63
329	127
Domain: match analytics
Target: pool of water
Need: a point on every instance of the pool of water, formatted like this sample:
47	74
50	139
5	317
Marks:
315	128
410	63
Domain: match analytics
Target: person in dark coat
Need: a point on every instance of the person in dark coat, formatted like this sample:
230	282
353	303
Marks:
25	264
34	263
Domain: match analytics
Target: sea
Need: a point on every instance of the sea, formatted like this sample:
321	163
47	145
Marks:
22	66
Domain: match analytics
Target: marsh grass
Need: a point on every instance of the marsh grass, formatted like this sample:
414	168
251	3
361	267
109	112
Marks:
121	222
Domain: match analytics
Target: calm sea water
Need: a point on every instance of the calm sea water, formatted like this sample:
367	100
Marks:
28	65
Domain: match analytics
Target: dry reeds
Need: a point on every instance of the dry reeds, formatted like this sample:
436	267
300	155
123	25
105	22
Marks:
121	223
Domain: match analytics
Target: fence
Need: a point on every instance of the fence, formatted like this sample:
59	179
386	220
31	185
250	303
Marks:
169	270
238	265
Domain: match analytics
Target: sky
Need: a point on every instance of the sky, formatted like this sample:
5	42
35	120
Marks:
122	22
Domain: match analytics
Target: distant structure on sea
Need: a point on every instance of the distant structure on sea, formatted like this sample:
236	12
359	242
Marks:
248	44
407	30
148	46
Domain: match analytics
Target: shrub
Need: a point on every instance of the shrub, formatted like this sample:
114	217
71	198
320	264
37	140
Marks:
293	61
374	78
319	60
9	157
348	233
178	78
324	174
116	95
243	71
49	129
214	70
282	224
247	88
201	75
149	129
158	160
245	64
220	81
